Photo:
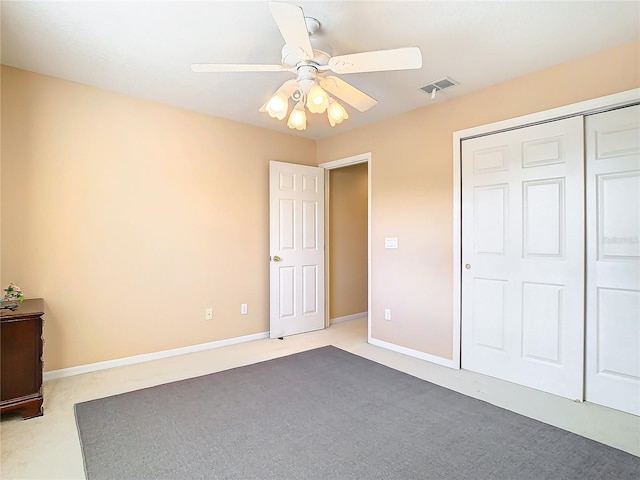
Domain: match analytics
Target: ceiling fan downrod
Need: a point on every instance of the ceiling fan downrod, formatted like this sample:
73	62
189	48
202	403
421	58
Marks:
306	77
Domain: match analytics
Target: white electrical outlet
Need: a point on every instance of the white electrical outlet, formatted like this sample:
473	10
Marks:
208	313
243	309
387	314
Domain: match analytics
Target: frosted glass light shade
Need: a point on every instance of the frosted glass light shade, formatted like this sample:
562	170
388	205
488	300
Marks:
317	99
297	119
336	113
277	106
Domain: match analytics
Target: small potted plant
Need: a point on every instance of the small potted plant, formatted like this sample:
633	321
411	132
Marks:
12	295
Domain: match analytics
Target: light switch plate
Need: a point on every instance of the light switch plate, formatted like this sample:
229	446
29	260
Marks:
391	242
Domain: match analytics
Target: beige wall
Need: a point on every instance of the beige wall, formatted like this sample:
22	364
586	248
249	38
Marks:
348	239
412	187
130	217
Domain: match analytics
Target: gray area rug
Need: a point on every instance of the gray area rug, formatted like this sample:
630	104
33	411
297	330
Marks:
327	414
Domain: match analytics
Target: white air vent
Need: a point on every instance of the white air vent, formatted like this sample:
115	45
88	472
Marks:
439	85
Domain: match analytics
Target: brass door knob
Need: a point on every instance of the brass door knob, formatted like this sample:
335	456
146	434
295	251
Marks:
277	259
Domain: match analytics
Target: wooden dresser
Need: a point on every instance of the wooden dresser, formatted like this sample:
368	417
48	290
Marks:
21	356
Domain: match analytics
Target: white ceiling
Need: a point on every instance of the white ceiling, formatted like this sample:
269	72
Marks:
145	49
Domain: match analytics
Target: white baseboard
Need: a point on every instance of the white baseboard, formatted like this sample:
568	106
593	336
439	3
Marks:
414	353
346	318
119	362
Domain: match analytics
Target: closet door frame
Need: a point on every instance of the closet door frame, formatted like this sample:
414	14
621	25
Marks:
595	105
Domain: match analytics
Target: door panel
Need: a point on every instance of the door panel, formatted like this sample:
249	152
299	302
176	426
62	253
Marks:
297	248
523	293
617	340
541	321
543	209
488	313
619	215
287	298
613	259
490	209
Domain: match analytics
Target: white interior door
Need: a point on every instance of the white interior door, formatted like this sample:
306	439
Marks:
523	256
613	259
296	218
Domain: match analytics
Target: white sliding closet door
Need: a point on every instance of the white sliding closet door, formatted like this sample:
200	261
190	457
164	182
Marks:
613	259
523	256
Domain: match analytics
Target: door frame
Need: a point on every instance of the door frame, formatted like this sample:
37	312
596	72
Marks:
587	107
340	163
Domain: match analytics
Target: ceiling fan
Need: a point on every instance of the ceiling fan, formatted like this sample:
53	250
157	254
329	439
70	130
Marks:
310	60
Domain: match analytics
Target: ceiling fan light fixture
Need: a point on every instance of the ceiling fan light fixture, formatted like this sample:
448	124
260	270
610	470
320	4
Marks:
336	113
317	99
309	57
277	106
298	118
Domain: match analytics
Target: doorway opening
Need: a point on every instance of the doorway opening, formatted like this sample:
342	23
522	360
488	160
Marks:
348	239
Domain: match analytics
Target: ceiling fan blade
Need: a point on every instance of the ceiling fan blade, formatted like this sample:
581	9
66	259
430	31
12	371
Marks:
348	93
233	67
378	61
290	21
287	88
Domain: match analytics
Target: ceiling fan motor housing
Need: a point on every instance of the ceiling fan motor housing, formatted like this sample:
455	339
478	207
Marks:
321	54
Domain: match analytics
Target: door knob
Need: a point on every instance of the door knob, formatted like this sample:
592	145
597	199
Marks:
277	259
468	266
